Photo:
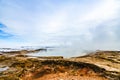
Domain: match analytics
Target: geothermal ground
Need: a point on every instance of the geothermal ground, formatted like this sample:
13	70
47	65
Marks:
99	65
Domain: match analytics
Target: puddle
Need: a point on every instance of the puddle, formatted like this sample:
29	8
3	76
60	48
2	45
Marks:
4	69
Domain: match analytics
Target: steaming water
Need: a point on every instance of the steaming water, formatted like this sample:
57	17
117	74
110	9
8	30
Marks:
60	51
65	51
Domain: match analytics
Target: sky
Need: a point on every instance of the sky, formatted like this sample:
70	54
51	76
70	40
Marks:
82	24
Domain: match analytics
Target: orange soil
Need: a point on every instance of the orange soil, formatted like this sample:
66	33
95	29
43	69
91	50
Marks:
68	74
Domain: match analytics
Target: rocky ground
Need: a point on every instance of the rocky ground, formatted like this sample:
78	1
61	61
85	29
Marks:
99	65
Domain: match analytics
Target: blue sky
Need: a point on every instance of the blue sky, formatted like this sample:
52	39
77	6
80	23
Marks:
87	24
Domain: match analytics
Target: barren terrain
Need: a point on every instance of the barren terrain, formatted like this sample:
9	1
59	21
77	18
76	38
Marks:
99	65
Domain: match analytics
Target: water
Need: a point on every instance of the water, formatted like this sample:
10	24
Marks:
3	69
60	51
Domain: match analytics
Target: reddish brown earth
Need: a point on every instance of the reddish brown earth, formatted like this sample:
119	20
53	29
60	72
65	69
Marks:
63	73
64	76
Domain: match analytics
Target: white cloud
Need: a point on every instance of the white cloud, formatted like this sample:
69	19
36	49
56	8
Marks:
50	23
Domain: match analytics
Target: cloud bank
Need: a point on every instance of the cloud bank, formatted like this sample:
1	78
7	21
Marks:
80	23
